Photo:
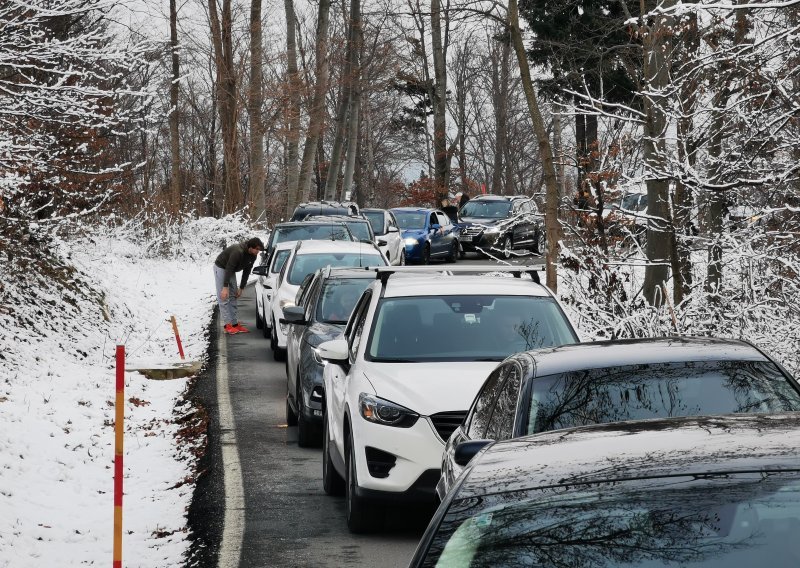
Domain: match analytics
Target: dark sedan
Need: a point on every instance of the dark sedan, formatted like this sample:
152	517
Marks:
611	381
702	492
324	305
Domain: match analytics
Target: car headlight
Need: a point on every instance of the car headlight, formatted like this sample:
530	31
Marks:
382	411
411	241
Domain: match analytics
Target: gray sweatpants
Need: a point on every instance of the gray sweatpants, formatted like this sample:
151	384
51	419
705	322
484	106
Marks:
227	308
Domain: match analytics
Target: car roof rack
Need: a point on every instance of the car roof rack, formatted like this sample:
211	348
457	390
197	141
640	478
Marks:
383	273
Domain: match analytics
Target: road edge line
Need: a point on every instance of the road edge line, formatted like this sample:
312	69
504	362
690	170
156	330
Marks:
230	550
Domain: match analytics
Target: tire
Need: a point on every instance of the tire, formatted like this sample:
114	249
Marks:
403	257
362	516
332	482
307	433
259	320
291	417
264	328
453	256
426	254
508	246
462	254
277	353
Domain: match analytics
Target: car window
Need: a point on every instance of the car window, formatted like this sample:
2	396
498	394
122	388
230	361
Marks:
339	297
360	230
391	219
279	260
501	422
302	291
486	208
662	390
312	298
465	328
304	264
410	219
478	420
378	220
311	231
358	326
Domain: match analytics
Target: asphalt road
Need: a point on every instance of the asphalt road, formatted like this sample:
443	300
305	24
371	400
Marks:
259	501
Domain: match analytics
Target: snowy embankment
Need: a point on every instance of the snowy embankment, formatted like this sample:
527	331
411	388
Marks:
58	334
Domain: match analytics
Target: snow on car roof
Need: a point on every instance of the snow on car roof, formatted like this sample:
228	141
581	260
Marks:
452	285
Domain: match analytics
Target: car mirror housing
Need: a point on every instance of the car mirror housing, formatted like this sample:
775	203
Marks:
260	270
334	350
382	242
465	451
294	314
392	230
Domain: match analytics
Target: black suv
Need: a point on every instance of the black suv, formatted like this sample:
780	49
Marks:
316	208
499	223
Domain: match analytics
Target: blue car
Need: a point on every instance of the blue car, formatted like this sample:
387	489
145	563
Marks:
428	234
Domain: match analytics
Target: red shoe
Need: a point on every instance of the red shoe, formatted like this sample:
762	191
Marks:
231	329
240	328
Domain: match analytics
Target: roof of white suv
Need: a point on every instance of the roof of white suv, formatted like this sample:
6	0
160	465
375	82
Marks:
309	247
456	285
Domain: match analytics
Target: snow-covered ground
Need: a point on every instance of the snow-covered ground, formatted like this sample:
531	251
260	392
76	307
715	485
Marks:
57	391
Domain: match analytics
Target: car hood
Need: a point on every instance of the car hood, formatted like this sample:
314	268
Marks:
488	222
429	388
319	332
415	233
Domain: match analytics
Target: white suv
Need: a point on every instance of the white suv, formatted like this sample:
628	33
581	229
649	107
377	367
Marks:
414	354
265	286
305	259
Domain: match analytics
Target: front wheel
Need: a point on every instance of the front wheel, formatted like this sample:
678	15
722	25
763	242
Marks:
264	328
362	516
403	257
540	242
332	482
259	319
453	252
307	435
426	254
277	353
507	247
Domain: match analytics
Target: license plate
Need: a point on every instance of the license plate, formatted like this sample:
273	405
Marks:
466	239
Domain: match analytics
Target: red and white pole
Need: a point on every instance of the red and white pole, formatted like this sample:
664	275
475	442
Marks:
177	336
119	407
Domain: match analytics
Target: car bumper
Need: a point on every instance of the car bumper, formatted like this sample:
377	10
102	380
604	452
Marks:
417	453
414	252
483	241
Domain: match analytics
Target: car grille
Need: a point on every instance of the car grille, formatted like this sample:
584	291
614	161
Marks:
471	231
445	423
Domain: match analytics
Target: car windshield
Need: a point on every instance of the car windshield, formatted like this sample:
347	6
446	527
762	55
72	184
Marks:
639	392
305	264
360	230
465	328
279	260
317	231
489	209
410	220
339	297
376	219
710	521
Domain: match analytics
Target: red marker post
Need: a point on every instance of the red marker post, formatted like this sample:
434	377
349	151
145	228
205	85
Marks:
177	336
119	407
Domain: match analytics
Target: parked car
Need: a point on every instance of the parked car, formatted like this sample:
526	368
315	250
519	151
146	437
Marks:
312	229
306	258
317	208
268	273
612	381
323	308
699	492
428	234
501	224
413	356
387	235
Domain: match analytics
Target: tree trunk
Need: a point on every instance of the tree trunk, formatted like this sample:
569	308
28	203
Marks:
222	39
441	157
552	224
174	138
293	111
500	75
316	122
255	101
354	114
657	43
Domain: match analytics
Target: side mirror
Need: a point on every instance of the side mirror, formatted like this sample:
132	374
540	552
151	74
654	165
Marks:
435	227
382	242
334	350
260	270
465	451
293	314
393	229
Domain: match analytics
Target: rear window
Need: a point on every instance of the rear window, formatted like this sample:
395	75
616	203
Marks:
376	219
360	230
639	392
339	297
305	264
321	231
